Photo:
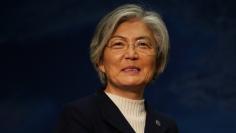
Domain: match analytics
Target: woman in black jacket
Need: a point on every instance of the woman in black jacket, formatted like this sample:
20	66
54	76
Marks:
128	50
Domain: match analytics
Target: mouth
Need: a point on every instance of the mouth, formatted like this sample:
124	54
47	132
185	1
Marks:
131	69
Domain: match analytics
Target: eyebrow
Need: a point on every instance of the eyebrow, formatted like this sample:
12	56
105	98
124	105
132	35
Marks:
138	38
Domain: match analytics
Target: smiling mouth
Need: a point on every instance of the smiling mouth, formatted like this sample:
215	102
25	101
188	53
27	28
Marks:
131	69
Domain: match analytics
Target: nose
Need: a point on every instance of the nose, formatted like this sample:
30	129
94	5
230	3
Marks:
131	53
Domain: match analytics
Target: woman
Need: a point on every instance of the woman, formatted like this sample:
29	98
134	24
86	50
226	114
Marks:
128	50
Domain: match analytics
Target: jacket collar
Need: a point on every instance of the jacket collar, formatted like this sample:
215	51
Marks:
112	114
114	117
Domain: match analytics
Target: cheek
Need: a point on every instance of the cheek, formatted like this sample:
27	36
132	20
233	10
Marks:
112	67
111	63
150	66
149	61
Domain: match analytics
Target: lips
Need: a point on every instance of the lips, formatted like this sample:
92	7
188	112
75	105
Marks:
132	69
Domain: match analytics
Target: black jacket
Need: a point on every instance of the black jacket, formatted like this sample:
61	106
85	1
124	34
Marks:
98	114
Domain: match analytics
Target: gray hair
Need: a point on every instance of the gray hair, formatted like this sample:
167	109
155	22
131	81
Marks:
107	26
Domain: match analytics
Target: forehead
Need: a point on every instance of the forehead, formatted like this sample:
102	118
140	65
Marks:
133	29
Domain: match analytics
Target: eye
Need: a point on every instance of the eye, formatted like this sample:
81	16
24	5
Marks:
144	44
116	45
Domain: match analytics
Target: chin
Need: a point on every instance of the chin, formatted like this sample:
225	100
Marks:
132	83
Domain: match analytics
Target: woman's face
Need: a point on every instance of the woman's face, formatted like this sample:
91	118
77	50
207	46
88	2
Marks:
129	59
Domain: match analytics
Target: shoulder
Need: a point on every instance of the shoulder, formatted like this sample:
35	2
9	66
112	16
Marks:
166	118
85	102
78	115
84	105
167	122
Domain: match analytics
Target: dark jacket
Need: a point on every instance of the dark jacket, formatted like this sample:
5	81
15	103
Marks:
98	114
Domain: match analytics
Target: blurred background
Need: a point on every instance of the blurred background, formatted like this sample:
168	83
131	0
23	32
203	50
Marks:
44	62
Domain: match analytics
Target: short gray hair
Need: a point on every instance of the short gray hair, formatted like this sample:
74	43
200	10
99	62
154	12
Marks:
107	26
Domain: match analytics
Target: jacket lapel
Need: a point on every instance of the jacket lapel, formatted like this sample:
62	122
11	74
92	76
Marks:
153	123
112	114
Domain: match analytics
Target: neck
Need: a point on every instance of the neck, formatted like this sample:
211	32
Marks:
135	93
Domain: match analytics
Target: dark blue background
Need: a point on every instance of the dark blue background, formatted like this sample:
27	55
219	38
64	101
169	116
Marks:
44	52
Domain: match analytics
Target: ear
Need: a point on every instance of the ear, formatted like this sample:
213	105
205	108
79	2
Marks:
101	67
